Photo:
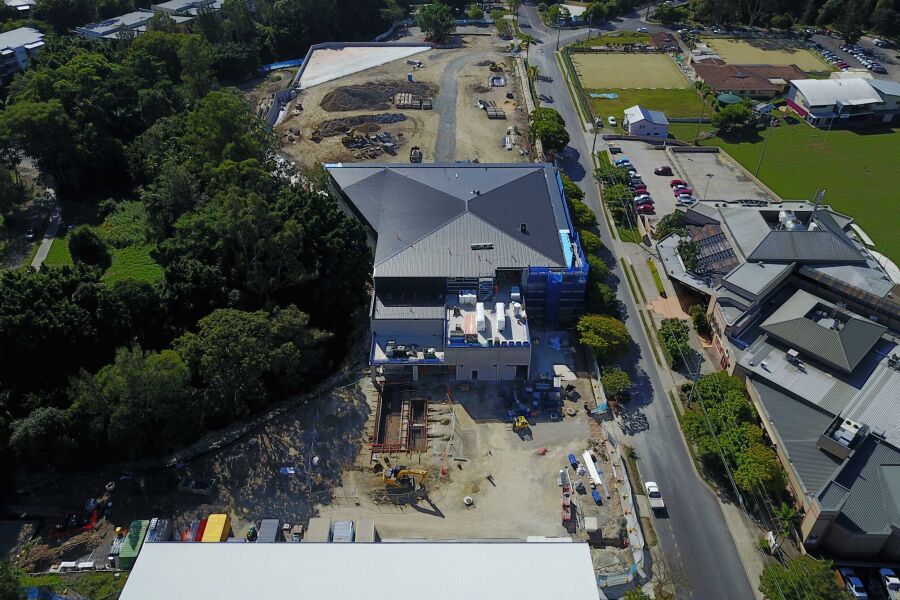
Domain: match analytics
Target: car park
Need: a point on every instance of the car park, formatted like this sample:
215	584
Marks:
663	170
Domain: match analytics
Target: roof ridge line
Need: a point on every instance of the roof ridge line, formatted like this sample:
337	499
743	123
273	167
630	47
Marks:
492	226
422	237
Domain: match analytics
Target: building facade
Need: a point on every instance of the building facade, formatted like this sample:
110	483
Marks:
17	47
641	121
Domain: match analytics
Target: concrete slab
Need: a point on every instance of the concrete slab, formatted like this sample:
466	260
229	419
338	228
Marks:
326	64
717	177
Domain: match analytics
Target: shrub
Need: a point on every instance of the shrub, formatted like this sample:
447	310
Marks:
590	242
87	248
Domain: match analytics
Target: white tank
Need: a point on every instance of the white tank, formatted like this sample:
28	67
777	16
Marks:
467	298
501	316
479	316
517	309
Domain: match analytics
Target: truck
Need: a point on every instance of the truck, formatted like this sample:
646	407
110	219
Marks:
654	495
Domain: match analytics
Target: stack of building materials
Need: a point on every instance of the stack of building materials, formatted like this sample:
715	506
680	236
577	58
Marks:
218	528
269	532
414	101
319	530
343	532
131	546
492	110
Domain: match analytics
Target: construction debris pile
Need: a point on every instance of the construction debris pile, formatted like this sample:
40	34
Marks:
373	95
407	100
493	111
334	127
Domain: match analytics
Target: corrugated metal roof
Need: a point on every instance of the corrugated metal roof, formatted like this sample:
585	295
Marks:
747	227
872	476
885	86
754	278
799	427
843	348
17	38
399	310
827	92
429	217
804	246
864	278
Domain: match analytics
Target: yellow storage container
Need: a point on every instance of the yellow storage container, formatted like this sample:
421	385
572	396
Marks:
218	528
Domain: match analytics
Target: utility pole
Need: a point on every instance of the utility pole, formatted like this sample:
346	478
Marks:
709	177
558	31
762	155
702	110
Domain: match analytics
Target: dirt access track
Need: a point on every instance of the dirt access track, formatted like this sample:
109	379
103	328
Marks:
455	129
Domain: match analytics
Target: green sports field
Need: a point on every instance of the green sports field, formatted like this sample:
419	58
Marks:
628	70
859	171
770	51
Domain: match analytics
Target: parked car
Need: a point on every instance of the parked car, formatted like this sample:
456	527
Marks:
663	170
642	29
643	198
611	121
683	191
891	583
637	192
644	209
654	495
687	201
622	159
853	584
677	182
30	235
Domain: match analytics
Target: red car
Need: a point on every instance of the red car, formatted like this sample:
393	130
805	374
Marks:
679	191
677	182
663	170
644	209
640	191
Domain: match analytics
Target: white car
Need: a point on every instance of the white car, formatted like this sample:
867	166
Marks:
654	495
611	121
853	584
685	200
891	583
642	29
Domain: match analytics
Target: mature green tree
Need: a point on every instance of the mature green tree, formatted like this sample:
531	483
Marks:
571	189
674	333
788	517
43	438
87	248
139	404
803	577
65	15
615	382
590	242
436	22
734	116
605	336
636	594
43	131
196	58
10	584
12	194
548	126
671	223
701	323
223	128
598	270
244	358
581	213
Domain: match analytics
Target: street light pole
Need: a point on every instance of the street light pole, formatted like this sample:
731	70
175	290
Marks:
762	154
558	31
702	110
709	177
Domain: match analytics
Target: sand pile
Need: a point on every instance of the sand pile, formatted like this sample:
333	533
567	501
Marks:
372	96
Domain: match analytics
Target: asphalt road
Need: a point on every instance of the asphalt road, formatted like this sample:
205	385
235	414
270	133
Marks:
694	538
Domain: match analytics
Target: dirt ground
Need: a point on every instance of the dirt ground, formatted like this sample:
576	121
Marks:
258	92
463	130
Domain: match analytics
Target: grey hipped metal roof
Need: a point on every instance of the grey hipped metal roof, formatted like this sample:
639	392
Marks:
427	217
805	246
867	489
754	278
799	426
842	348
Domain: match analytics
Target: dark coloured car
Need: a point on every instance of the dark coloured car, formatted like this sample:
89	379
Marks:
663	170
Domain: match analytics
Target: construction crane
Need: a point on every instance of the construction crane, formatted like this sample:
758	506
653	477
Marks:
400	476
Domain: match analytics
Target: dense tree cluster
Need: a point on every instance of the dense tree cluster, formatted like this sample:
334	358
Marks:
723	427
261	270
548	126
802	577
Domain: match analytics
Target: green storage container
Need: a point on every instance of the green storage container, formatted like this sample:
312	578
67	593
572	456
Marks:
131	546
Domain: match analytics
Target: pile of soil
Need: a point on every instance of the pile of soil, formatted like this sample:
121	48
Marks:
334	127
373	95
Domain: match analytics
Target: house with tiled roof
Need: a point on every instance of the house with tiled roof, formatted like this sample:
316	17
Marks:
754	81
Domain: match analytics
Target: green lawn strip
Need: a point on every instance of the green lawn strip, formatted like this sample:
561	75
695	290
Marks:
90	585
675	103
649	337
570	77
634	477
628	278
858	170
620	38
637	282
629	234
656	278
59	254
133	262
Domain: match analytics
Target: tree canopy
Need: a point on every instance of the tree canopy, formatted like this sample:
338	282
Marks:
436	22
604	335
803	577
548	126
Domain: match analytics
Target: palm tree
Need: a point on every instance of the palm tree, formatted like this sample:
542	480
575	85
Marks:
787	517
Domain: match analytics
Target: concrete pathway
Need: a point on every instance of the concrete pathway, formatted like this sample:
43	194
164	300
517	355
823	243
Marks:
49	235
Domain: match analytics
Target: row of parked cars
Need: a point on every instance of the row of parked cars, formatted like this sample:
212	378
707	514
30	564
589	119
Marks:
643	201
880	584
863	55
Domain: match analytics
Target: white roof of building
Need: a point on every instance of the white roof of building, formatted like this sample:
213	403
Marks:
825	92
638	113
437	571
18	38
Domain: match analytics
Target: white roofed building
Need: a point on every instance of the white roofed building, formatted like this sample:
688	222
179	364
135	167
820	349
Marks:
641	121
17	46
840	102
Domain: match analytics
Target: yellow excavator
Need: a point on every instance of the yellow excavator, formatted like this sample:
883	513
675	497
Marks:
400	476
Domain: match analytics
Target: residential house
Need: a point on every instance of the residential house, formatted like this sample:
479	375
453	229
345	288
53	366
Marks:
754	81
641	121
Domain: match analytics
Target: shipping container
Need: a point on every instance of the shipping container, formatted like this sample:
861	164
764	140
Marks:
269	532
160	530
319	530
201	529
218	528
342	532
365	531
132	544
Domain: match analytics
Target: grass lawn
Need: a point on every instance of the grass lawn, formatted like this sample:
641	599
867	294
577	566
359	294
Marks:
133	262
675	103
619	38
857	170
90	585
628	70
770	51
59	254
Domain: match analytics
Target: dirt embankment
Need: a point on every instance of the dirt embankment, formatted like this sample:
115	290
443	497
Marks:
373	96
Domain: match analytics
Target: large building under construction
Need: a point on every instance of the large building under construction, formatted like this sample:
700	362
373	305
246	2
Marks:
469	260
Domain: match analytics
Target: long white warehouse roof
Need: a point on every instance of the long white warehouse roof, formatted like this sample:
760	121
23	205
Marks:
380	571
825	92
